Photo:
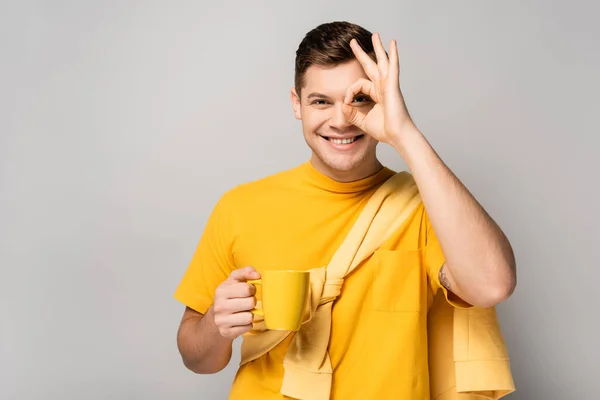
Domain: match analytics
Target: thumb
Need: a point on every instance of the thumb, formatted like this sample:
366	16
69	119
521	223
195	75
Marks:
244	274
353	116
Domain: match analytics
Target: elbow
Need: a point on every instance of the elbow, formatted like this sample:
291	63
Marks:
201	369
501	279
198	363
497	292
491	287
493	298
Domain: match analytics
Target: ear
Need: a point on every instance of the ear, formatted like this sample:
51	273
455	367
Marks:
296	104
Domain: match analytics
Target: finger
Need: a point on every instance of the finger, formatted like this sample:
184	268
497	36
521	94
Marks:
394	69
382	59
240	319
362	85
235	305
238	290
236	331
354	116
244	274
233	325
227	320
234	290
363	58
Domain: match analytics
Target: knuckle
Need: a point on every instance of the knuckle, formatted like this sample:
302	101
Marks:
245	329
233	333
240	272
252	302
234	275
249	271
243	289
218	307
247	318
219	291
225	332
240	330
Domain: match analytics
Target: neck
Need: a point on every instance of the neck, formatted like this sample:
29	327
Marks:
360	172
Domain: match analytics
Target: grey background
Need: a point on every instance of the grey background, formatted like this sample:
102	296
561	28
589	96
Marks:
123	122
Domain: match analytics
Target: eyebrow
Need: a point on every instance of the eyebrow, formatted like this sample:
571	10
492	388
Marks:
316	95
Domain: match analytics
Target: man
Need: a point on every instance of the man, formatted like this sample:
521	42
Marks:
348	97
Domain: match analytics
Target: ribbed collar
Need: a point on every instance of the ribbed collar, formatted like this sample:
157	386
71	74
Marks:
318	179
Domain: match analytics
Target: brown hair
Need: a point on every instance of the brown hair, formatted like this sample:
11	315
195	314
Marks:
329	45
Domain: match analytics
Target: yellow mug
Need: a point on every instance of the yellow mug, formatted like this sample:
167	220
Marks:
284	295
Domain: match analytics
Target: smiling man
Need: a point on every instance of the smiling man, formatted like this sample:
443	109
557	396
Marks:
348	98
340	150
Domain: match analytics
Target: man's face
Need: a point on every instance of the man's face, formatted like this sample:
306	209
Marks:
340	150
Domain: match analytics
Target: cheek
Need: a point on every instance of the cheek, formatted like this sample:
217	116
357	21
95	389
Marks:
372	142
313	119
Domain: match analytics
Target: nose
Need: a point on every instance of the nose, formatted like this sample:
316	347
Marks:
338	119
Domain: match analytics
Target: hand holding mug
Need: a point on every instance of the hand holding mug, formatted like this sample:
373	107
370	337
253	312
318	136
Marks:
234	299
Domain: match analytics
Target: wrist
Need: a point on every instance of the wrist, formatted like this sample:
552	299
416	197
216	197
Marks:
408	142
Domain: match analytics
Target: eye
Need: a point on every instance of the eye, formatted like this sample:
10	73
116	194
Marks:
319	102
362	99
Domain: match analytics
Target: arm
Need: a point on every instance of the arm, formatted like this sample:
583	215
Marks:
202	348
480	264
204	341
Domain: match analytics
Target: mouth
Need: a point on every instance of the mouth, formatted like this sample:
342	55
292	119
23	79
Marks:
342	141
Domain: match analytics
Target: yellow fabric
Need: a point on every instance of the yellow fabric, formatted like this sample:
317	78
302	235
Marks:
308	370
467	355
297	219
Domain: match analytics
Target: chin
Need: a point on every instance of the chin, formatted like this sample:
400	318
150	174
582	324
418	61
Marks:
344	163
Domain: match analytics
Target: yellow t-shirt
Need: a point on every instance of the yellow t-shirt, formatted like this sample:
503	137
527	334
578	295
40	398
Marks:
296	219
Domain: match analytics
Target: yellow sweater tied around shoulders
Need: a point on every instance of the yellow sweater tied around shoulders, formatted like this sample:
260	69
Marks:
472	365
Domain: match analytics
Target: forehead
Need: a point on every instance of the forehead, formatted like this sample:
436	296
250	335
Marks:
332	81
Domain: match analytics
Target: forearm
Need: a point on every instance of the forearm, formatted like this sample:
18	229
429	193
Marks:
202	348
478	255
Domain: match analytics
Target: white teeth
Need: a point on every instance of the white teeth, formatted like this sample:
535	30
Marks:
342	141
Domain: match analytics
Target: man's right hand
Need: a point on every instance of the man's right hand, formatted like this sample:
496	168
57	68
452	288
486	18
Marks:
234	298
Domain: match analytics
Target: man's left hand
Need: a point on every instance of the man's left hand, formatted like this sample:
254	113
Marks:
388	120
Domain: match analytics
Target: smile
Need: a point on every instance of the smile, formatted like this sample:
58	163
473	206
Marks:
344	141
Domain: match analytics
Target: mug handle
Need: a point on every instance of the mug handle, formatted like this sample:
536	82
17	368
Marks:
258	309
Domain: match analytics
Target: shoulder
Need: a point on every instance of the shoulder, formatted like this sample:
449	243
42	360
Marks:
261	189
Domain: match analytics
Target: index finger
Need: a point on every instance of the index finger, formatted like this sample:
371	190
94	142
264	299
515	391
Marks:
363	58
382	58
244	274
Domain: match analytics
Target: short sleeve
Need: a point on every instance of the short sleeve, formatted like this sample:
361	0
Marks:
434	259
212	261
